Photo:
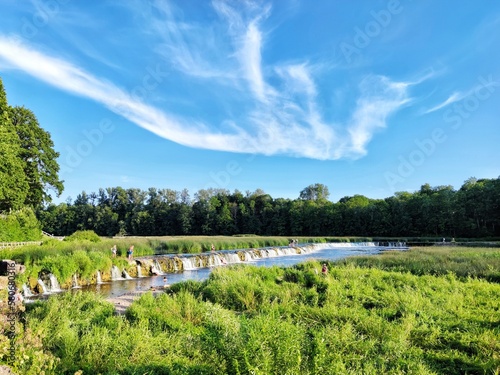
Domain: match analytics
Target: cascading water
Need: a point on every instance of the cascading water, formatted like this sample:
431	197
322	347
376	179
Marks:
189	264
43	286
99	279
116	274
126	275
27	291
75	284
139	271
232	258
156	268
54	284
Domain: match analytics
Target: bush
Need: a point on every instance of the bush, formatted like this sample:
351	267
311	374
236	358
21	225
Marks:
88	235
19	226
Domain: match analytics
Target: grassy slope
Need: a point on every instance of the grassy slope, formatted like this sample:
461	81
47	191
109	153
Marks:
362	318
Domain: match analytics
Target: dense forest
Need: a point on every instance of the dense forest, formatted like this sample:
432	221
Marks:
473	211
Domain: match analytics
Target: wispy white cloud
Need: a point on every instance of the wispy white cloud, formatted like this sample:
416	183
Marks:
454	97
459	95
381	97
282	117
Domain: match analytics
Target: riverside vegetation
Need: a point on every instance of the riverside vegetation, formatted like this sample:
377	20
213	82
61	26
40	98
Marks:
84	253
426	311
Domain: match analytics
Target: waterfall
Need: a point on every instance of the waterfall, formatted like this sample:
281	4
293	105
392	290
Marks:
126	275
116	274
156	268
189	264
139	271
74	284
215	260
99	280
248	256
43	286
27	291
232	258
54	284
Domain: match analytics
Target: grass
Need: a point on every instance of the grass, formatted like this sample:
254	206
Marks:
463	262
384	316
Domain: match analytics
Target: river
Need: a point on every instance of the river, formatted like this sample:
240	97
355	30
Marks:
119	287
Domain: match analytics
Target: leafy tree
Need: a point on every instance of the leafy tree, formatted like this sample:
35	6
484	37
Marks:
13	184
38	156
315	192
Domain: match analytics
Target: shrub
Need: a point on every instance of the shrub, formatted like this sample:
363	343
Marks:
19	226
88	235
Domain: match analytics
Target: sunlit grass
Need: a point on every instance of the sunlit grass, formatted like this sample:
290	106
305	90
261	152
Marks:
377	318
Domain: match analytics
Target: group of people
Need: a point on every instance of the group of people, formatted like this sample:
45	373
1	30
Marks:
293	243
130	252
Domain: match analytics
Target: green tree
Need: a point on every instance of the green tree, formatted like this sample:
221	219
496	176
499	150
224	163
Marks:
13	184
38	157
315	192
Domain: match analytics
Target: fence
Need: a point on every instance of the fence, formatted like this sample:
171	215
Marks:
5	245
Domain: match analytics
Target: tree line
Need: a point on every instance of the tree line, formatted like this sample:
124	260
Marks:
472	211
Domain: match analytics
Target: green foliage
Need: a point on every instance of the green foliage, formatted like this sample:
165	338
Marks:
435	212
28	162
83	235
242	320
20	226
13	183
461	261
38	156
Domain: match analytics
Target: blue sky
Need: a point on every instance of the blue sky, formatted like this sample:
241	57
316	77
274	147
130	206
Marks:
365	97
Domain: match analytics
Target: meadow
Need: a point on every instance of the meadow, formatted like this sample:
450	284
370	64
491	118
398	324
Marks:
438	315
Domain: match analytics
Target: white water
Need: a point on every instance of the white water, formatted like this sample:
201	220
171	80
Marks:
156	268
75	284
116	274
126	275
139	271
54	284
27	291
43	286
189	264
99	280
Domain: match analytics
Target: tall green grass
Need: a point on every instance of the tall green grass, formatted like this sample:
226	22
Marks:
358	319
437	260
